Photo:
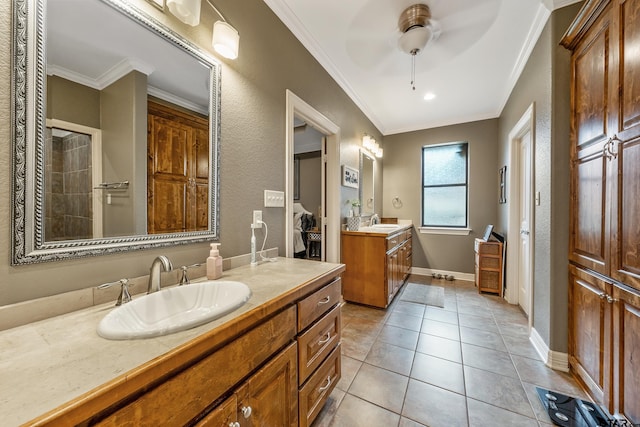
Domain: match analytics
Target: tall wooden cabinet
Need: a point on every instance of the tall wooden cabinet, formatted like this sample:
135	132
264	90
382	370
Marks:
177	170
604	248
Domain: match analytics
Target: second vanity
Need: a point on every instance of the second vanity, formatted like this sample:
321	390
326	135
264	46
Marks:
273	361
378	261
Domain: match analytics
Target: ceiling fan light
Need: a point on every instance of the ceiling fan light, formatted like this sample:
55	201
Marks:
414	39
188	11
226	40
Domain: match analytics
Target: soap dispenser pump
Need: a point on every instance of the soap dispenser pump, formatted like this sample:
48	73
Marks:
214	263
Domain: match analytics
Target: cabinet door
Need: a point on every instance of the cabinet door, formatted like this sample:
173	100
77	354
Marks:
591	67
224	415
590	333
626	349
392	274
270	397
624	164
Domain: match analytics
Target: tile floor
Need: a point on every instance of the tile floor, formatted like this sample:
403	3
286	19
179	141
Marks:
467	364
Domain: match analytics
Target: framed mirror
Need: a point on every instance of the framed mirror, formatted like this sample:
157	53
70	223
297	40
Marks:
367	199
115	121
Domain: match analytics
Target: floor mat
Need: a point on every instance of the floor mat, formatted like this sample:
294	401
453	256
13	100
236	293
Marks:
423	294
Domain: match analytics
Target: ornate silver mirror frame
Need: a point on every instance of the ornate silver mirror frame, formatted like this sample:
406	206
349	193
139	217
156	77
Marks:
28	123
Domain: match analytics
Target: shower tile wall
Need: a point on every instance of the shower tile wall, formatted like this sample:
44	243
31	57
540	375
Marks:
68	191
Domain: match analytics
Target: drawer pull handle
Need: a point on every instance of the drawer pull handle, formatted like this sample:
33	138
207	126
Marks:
234	424
324	387
325	340
324	300
246	411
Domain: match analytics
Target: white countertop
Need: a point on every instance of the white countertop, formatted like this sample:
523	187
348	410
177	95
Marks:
45	364
382	231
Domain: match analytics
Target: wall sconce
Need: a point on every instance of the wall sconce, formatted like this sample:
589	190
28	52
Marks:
225	39
370	144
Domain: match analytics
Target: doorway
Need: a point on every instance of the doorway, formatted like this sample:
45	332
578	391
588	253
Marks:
520	234
328	214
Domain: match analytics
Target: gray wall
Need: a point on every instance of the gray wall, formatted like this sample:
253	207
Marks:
545	82
310	185
402	177
252	146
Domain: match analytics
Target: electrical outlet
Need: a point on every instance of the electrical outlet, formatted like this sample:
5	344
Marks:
257	219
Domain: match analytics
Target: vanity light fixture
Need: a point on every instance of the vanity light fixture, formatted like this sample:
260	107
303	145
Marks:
370	144
225	39
429	96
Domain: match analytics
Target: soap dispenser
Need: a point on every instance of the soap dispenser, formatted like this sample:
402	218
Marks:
214	263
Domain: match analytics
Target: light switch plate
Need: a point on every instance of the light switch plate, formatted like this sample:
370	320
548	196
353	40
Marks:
273	199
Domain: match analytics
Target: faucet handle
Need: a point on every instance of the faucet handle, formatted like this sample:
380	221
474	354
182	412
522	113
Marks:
124	296
184	279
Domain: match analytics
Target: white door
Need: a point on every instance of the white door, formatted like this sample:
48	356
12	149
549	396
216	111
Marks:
322	221
524	253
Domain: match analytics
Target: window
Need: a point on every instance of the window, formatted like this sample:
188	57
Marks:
445	185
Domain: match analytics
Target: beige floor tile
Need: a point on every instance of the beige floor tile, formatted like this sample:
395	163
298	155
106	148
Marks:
355	412
349	369
443	348
406	422
536	372
434	406
405	321
440	329
497	390
381	387
411	308
391	357
484	415
399	336
328	412
439	372
482	338
441	315
489	360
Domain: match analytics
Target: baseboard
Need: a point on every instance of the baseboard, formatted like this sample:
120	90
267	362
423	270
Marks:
554	359
428	272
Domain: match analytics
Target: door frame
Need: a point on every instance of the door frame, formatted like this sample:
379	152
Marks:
524	125
96	168
295	106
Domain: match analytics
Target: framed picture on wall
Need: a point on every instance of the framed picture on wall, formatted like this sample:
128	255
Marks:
350	177
503	189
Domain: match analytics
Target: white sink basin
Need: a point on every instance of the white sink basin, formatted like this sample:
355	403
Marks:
386	226
173	309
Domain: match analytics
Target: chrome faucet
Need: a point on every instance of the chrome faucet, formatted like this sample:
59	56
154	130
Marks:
375	219
161	263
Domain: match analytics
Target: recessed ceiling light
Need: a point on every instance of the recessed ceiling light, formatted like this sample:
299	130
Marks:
429	96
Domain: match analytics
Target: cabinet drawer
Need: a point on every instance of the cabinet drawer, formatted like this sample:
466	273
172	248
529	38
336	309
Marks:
489	280
394	241
318	303
489	248
223	416
489	262
315	393
317	342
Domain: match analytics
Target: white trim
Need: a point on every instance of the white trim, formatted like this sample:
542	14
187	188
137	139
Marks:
445	230
469	277
524	125
177	100
554	359
291	21
96	167
113	74
295	106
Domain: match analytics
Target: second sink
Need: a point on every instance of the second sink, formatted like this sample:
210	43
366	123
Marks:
173	309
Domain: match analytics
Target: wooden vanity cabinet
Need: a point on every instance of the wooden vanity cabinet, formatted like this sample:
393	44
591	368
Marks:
377	265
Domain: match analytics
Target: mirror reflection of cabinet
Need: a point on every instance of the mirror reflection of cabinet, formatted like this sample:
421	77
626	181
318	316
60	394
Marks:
177	170
367	201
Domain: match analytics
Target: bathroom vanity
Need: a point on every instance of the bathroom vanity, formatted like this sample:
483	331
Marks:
273	361
378	261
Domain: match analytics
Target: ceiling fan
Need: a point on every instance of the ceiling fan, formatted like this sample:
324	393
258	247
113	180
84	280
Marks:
382	32
417	30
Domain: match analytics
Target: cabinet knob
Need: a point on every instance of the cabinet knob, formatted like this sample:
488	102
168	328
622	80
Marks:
234	424
246	411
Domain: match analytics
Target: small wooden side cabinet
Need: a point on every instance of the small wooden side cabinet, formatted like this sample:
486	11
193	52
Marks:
488	266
